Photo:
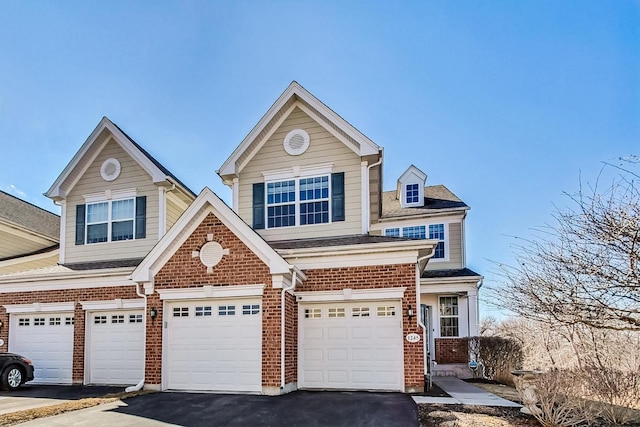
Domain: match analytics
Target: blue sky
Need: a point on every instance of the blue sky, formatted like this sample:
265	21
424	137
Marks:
504	102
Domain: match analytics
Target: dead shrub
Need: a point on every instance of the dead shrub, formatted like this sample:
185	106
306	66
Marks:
618	391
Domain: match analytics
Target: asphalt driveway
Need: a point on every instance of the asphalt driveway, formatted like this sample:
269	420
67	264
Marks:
301	408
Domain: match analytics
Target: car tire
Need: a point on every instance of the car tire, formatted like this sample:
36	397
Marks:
12	378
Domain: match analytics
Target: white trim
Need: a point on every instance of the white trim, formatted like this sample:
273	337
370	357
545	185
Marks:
298	172
162	211
127	193
354	260
114	304
210	291
447	288
38	307
66	281
350	295
366	146
63	230
235	195
364	196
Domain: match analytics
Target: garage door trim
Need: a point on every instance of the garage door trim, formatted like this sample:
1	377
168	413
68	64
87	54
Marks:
36	307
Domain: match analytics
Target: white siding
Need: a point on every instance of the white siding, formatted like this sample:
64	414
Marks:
324	148
131	176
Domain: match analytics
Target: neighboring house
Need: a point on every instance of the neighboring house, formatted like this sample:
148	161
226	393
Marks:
314	278
29	235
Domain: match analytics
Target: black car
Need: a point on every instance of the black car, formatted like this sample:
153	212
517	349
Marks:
15	370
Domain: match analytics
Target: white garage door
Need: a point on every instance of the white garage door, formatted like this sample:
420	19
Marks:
214	345
115	347
46	339
354	346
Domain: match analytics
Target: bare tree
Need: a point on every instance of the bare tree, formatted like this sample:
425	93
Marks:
583	268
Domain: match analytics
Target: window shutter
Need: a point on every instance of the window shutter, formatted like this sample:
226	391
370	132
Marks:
141	217
80	209
258	206
337	196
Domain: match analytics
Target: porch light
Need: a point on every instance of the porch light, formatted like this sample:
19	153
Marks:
410	313
153	313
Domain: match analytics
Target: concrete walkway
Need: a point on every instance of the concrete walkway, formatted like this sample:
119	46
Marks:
464	393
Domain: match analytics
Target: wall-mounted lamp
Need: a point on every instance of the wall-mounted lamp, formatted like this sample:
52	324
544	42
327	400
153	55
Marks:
410	313
153	313
1	323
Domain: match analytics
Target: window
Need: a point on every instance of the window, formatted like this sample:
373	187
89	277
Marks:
281	208
436	232
449	317
98	320
360	312
336	312
180	311
135	318
54	321
412	194
68	321
386	311
119	318
312	313
392	232
110	221
38	321
301	201
250	309
314	200
23	321
203	311
226	310
414	232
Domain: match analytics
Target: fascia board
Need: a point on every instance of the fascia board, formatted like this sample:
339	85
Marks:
439	214
466	280
413	170
403	245
114	304
38	307
64	283
209	291
446	288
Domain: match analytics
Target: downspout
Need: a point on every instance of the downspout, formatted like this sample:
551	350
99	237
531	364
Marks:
139	386
425	355
368	195
282	325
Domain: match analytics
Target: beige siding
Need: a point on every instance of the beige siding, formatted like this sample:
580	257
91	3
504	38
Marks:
31	265
131	176
455	250
324	148
173	213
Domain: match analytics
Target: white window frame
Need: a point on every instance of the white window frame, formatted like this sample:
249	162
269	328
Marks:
109	220
446	241
448	316
297	202
406	194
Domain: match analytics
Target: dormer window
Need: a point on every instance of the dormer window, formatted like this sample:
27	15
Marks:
412	194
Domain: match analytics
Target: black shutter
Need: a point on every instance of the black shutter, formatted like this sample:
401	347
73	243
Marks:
258	206
141	217
80	224
337	196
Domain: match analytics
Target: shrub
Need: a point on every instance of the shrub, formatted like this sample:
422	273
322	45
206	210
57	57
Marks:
618	391
497	356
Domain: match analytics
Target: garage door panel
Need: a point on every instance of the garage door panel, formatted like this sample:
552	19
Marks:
220	351
46	339
115	347
351	345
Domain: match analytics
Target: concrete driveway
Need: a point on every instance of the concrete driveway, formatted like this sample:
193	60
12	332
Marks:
31	396
301	408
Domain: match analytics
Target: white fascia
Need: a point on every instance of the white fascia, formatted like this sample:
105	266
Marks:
64	281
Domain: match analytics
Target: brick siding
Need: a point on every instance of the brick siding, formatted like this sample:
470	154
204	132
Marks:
452	350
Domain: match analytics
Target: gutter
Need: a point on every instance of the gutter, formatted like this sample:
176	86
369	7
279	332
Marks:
139	386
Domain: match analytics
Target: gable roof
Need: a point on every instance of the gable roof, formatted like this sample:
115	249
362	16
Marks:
92	147
19	213
437	199
207	202
296	96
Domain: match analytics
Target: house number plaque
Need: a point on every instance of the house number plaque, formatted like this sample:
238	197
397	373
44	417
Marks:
413	337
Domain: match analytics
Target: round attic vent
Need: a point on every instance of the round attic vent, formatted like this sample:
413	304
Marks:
110	169
211	254
296	142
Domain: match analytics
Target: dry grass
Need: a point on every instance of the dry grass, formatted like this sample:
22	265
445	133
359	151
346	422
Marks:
435	415
49	411
505	391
